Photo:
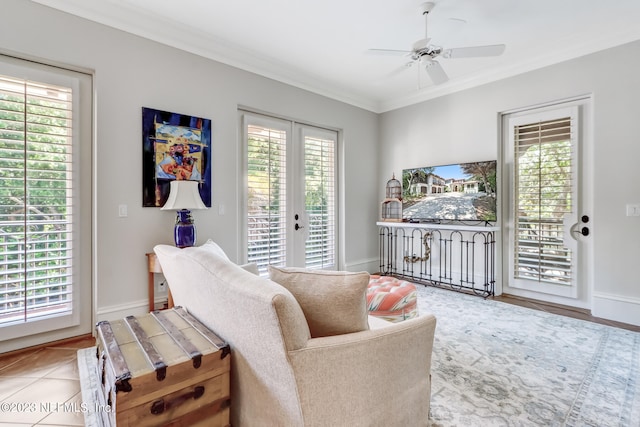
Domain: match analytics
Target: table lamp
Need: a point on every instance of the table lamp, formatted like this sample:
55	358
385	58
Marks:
183	196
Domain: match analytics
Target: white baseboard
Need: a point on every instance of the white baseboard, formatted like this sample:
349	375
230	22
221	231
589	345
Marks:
616	307
554	299
371	265
115	312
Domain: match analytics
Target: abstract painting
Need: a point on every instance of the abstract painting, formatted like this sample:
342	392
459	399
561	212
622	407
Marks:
175	147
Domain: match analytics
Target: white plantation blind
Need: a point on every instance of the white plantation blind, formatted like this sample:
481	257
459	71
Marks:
320	201
267	196
544	174
36	203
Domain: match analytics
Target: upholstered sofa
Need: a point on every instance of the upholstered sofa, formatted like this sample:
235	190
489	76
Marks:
376	375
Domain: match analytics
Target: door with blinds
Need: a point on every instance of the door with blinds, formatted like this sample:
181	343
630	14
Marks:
547	223
45	203
291	193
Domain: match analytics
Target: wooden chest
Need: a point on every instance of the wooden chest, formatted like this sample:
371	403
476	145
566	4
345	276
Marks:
163	368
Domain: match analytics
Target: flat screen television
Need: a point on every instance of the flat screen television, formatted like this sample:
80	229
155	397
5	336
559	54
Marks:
450	193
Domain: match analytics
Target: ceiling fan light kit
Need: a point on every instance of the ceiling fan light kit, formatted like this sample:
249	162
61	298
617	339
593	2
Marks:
426	7
423	52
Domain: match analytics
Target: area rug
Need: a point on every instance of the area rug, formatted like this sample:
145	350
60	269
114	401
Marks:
497	364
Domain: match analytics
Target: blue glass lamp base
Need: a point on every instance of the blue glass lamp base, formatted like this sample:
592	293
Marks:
184	232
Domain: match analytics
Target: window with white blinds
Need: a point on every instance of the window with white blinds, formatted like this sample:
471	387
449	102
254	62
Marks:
36	204
544	182
320	201
266	196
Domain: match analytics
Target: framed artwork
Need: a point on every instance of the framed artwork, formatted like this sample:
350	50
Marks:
174	147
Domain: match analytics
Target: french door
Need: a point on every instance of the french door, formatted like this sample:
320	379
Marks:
291	193
547	219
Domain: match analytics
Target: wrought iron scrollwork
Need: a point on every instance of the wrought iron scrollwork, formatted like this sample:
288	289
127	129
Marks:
425	254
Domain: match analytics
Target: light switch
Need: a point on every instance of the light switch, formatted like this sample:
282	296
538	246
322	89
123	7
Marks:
633	209
221	209
122	211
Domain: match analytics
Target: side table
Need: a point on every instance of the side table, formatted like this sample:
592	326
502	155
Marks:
153	267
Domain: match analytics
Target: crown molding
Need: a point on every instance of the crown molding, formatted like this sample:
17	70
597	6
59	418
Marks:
128	18
140	23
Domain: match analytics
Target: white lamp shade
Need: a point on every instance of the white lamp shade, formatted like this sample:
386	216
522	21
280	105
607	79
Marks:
184	195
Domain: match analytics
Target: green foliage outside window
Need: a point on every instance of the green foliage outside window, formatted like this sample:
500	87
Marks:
35	202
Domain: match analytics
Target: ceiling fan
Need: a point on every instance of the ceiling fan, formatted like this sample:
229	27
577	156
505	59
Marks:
426	54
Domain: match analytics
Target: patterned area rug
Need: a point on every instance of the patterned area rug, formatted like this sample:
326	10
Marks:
496	364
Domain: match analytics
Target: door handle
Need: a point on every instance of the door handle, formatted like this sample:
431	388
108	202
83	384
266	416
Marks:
297	226
304	233
584	231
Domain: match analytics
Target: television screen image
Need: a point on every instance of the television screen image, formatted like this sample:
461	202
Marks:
459	192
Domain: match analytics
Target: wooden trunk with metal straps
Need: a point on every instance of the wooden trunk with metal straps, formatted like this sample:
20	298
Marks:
162	369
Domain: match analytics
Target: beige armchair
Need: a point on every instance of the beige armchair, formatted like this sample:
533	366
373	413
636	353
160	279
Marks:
280	375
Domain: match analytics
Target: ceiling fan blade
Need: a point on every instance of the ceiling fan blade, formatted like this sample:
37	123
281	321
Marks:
436	72
400	69
389	52
474	51
394	73
421	44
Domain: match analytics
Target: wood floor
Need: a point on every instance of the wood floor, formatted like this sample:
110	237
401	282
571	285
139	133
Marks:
45	380
575	313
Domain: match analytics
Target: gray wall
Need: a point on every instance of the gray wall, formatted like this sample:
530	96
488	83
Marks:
132	72
465	127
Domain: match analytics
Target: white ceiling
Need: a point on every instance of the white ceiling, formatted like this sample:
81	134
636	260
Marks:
322	45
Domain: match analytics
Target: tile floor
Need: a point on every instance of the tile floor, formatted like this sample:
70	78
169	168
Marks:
41	387
46	378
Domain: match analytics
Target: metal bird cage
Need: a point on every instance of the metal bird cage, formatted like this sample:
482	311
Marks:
394	189
391	209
